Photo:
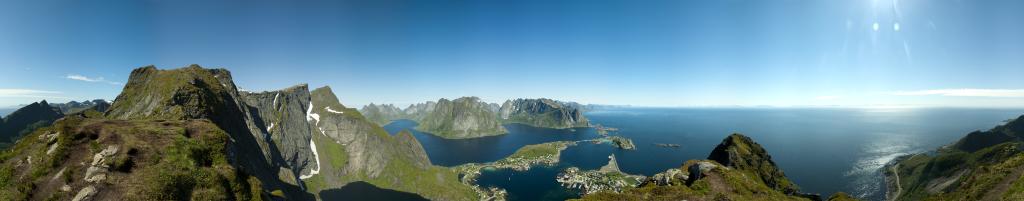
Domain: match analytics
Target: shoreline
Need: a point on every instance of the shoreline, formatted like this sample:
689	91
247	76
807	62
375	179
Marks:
893	188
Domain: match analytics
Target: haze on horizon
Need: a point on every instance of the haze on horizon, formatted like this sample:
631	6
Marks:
884	53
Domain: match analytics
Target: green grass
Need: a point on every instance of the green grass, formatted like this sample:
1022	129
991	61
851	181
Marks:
398	174
987	167
155	161
538	150
435	182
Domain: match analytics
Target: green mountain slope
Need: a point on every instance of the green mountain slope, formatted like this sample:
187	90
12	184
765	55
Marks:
984	165
351	148
88	156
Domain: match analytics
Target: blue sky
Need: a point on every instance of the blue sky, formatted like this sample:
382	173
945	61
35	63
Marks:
880	53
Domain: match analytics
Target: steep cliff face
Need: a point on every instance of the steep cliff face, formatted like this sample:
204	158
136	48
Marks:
465	117
281	115
382	114
738	169
542	113
984	165
741	152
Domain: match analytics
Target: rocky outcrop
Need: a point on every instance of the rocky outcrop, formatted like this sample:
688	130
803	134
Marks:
26	119
382	114
465	117
97	170
85	194
668	177
542	113
741	152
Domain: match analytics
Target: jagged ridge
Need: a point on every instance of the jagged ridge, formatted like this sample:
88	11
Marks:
542	113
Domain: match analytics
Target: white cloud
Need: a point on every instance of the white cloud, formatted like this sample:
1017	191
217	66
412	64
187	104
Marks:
1003	93
29	93
88	79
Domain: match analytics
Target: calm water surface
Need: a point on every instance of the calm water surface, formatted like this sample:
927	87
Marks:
822	150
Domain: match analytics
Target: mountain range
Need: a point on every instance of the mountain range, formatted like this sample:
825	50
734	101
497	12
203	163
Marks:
40	114
469	117
287	144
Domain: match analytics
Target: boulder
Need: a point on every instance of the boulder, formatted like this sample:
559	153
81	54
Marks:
97	170
699	169
668	177
85	194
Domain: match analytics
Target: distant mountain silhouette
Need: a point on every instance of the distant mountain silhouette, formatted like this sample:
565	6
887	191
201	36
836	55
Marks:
27	119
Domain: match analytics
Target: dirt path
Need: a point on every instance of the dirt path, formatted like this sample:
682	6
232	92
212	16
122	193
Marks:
899	189
997	192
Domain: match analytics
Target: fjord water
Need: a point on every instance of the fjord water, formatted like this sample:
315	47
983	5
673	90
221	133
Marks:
823	150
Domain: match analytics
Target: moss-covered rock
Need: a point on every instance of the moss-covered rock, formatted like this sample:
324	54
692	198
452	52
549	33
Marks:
740	152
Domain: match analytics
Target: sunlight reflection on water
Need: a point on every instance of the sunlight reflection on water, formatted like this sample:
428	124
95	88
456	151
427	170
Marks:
866	172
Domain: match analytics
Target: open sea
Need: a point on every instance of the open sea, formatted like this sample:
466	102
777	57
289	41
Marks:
823	150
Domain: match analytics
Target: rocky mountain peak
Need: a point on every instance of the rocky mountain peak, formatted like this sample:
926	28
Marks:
185	93
194	92
26	119
542	112
465	117
740	152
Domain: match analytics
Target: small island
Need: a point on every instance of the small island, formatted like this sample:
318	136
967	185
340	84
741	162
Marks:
603	131
667	145
617	141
